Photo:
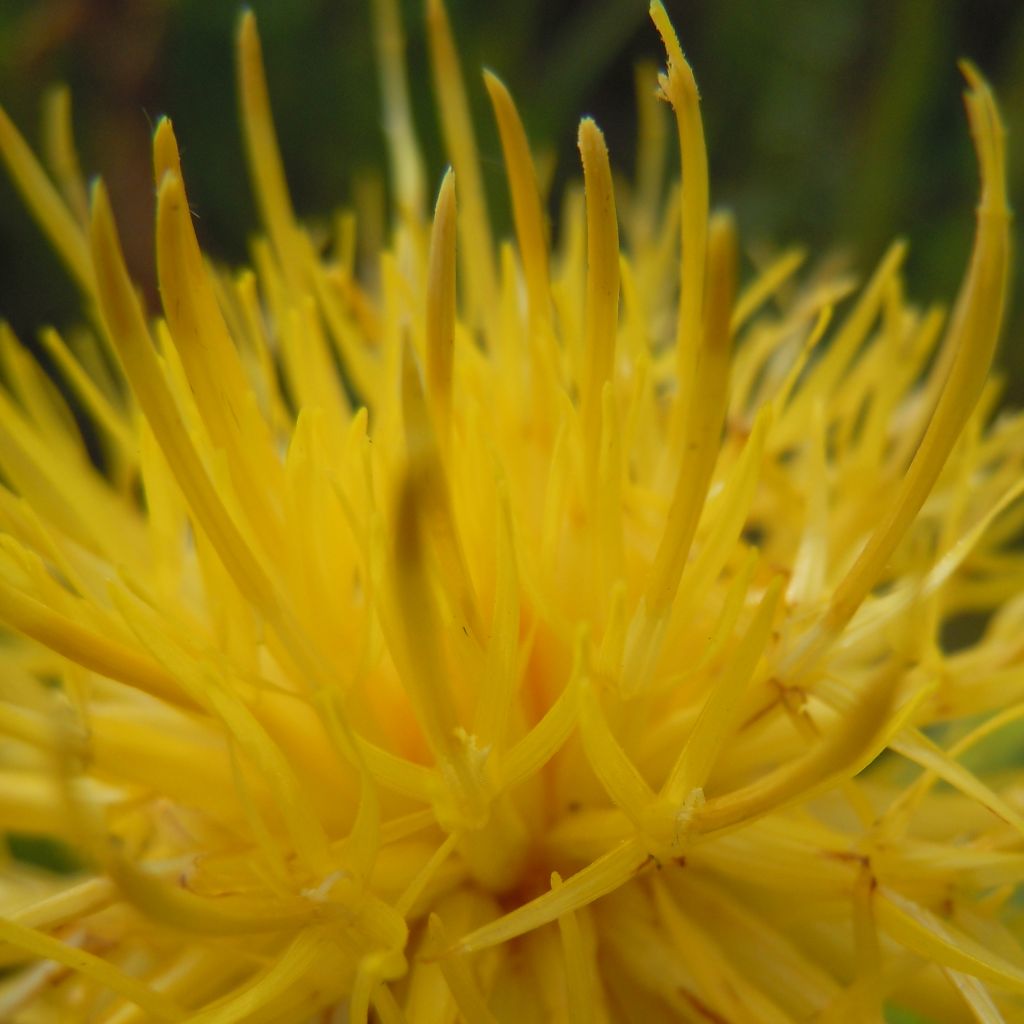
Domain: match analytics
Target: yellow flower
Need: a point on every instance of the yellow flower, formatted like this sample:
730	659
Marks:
567	648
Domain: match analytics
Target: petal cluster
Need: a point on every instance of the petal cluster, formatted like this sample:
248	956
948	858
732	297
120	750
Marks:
517	630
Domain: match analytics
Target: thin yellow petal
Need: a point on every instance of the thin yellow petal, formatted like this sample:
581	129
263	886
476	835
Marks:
49	209
526	203
265	165
474	225
403	149
159	1006
592	882
974	330
602	303
440	323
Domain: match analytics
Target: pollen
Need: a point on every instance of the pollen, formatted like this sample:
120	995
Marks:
552	627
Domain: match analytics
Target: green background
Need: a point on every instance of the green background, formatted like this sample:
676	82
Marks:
829	122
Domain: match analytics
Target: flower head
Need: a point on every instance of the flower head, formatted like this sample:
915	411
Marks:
523	632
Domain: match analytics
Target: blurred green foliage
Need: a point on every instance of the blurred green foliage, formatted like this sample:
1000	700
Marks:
897	1015
43	851
829	121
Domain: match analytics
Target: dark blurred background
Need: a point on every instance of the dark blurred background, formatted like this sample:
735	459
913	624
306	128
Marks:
831	122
